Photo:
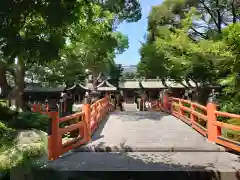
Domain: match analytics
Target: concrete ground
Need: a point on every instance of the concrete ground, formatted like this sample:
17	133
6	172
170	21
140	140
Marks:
152	130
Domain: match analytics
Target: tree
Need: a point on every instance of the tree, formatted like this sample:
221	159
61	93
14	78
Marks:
101	43
32	28
129	75
29	30
115	73
152	63
230	99
181	55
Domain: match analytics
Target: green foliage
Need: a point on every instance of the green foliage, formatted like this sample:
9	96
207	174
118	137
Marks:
186	41
230	99
29	120
153	63
55	41
231	35
175	49
6	113
13	157
230	134
129	75
115	73
23	120
6	134
10	156
95	49
61	38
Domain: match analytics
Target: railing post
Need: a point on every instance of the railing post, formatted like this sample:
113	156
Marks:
165	102
181	112
108	104
38	108
105	105
53	136
192	116
106	100
87	117
143	102
34	107
212	130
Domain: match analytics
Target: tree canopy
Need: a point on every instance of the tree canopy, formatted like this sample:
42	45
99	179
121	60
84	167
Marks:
55	41
195	41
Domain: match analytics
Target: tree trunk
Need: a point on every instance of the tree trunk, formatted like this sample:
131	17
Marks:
95	77
94	81
3	81
219	17
20	74
164	82
234	14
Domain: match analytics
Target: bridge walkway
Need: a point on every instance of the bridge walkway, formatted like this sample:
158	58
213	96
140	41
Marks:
152	130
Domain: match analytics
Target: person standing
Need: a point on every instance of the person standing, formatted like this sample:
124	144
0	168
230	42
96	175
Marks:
119	101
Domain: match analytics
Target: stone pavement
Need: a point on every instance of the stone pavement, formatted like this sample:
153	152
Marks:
148	130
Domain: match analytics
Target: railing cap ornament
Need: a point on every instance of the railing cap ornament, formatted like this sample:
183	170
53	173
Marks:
87	99
212	97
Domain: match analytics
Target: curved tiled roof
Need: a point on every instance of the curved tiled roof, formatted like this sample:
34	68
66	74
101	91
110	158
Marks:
151	84
106	86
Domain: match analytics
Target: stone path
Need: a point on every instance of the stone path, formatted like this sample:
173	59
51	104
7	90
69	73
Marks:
148	130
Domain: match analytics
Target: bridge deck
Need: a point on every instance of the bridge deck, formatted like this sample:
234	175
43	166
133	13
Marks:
148	129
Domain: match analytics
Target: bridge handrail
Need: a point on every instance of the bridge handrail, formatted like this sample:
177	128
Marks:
38	107
209	125
191	112
86	122
226	114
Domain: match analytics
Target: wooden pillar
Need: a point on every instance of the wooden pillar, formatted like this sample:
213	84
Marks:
87	118
165	101
213	131
34	107
54	139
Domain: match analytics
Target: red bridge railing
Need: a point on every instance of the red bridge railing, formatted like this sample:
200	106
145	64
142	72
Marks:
41	108
204	119
81	125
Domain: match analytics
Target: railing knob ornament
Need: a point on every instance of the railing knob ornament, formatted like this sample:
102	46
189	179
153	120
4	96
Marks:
87	100
212	97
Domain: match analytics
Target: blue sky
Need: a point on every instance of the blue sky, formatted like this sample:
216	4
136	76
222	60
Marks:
135	33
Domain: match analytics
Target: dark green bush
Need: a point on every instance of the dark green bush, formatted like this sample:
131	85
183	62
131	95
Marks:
23	120
6	113
30	120
6	134
234	135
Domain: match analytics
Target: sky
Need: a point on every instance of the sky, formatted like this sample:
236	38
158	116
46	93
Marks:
135	33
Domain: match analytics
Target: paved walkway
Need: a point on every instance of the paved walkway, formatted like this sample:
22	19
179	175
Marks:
148	130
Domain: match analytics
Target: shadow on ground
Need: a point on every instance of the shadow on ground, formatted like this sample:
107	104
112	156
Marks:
140	115
127	116
125	167
97	134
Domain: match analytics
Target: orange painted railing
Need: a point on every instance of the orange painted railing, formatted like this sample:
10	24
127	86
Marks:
203	119
82	123
86	122
41	108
